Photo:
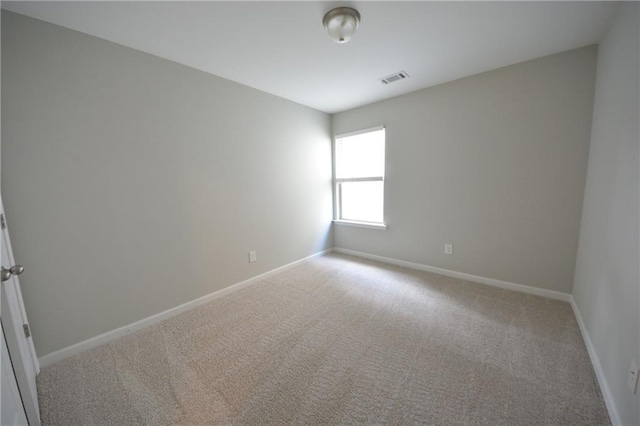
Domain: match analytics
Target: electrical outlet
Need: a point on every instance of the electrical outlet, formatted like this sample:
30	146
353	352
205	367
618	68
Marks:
252	256
448	249
632	380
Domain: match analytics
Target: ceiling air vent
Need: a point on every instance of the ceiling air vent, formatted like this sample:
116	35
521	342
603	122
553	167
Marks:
394	77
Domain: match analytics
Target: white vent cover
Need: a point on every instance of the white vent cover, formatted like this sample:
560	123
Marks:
394	77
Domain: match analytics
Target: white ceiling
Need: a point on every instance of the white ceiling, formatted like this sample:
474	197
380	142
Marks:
282	48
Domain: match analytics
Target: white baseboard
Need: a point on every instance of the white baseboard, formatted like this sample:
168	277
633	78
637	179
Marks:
551	294
146	322
595	361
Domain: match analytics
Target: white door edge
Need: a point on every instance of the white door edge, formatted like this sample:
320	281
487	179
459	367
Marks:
20	347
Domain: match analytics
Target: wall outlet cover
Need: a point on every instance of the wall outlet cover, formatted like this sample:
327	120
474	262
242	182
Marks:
448	248
252	256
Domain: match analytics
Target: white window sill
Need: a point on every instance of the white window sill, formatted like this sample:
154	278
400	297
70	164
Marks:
371	225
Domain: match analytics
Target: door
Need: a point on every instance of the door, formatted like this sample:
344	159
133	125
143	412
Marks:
12	410
16	330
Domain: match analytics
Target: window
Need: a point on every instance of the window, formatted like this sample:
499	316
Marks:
359	182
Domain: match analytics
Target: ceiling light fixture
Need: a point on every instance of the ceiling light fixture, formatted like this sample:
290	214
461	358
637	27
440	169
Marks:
341	23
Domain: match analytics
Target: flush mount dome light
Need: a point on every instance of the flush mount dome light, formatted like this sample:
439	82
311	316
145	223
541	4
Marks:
341	23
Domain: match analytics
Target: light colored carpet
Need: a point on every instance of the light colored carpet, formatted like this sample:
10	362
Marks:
339	340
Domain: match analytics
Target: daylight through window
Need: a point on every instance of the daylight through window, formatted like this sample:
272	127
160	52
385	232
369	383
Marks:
359	184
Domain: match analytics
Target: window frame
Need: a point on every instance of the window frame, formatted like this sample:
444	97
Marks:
337	182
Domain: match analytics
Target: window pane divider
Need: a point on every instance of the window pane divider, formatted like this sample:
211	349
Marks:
360	179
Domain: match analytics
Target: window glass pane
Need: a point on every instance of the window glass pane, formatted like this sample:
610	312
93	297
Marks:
360	155
362	201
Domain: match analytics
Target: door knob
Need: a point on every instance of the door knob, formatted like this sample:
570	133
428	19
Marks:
14	270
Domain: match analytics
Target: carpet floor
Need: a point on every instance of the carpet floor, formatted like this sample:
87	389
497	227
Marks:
339	340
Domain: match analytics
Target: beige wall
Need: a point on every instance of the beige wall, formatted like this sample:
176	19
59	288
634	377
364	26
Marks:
607	280
494	163
133	184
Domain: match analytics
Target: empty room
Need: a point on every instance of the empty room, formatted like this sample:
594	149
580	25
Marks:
320	212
